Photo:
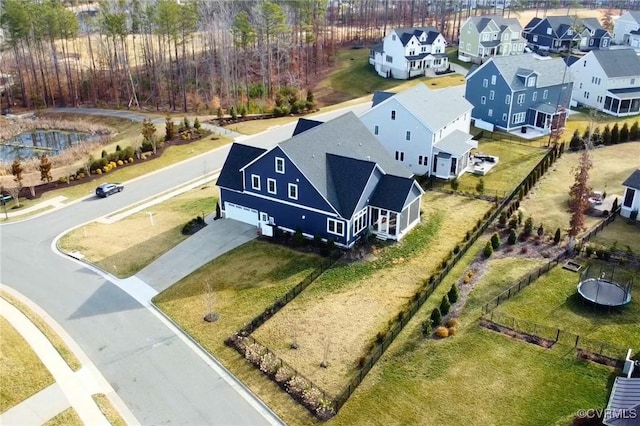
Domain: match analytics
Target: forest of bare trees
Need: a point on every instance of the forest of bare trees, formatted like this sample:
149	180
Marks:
197	55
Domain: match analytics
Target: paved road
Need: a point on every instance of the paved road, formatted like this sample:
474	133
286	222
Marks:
157	375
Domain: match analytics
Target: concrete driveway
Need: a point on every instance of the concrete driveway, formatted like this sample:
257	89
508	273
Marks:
215	239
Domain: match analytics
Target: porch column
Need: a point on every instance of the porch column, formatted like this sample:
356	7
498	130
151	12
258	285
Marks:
619	103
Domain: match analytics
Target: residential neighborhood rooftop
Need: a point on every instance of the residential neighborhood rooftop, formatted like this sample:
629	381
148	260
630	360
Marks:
551	71
619	62
405	34
633	181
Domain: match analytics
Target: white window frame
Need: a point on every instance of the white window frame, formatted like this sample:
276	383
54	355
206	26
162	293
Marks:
493	80
531	81
294	187
507	99
332	226
393	114
490	113
534	96
545	94
519	117
521	98
360	221
253	182
408	135
275	187
485	82
504	117
376	130
280	161
492	94
483	100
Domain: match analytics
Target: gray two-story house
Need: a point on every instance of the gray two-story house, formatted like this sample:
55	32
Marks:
485	36
520	92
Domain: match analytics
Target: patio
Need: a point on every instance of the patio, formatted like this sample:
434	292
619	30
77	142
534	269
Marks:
481	164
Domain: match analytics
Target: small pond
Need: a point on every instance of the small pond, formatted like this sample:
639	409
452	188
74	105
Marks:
37	142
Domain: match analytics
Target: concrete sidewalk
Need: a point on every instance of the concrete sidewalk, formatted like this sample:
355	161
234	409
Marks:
215	239
71	389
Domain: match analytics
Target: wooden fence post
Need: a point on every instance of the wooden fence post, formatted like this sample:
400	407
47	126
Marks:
577	339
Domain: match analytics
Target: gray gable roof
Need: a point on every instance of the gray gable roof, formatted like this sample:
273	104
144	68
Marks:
591	23
618	62
481	22
551	71
348	178
434	108
239	156
457	143
393	193
635	14
343	136
633	181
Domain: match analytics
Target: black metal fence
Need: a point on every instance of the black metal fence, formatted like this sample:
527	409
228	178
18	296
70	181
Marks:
599	227
291	294
523	283
556	336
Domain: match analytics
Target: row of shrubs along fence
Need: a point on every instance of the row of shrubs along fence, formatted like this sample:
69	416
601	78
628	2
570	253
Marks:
533	276
291	294
301	389
384	340
547	336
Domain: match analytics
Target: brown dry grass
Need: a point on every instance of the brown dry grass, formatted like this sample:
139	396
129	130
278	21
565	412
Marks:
53	337
68	417
547	202
22	374
125	247
527	15
108	410
351	303
624	234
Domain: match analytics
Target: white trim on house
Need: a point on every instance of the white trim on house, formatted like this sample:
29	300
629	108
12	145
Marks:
280	162
336	223
275	186
293	195
253	182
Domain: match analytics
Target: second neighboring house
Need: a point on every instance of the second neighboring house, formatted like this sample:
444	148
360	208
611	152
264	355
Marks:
631	198
333	180
485	36
519	92
634	39
409	52
622	27
425	130
609	81
593	36
554	33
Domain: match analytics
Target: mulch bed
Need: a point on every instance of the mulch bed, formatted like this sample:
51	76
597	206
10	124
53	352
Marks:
600	359
525	337
148	156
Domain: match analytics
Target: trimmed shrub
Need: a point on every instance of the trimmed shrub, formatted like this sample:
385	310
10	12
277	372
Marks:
455	183
615	134
436	317
495	241
556	237
634	131
445	305
511	240
452	331
488	250
453	294
426	328
104	154
528	226
502	219
298	238
624	133
442	332
452	322
588	251
480	186
540	231
513	223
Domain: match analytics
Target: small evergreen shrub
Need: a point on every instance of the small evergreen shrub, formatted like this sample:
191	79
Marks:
556	237
511	240
588	251
453	294
436	317
495	241
488	250
426	328
445	305
528	226
452	322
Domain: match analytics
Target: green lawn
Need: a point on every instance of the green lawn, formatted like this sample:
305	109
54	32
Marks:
621	233
22	374
552	301
515	163
372	290
245	281
477	377
140	242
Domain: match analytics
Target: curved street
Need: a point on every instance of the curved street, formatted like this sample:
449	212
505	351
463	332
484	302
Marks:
155	372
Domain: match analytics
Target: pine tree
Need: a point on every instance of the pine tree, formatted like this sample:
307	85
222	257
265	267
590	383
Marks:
488	250
576	140
606	135
624	133
233	113
196	124
528	226
495	241
219	113
511	240
634	132
436	317
556	237
615	134
149	133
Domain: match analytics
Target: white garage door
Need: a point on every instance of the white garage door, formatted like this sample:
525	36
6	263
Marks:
241	214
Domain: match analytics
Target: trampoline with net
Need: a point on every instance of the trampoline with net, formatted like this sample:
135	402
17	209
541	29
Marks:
601	288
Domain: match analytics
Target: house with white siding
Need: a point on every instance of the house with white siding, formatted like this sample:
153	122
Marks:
409	52
622	27
608	80
425	130
631	198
